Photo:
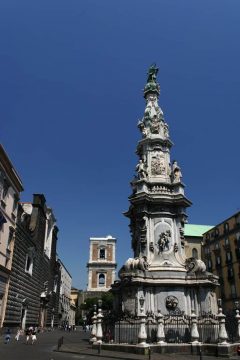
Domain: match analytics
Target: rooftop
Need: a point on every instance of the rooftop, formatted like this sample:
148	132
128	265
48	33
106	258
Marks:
196	230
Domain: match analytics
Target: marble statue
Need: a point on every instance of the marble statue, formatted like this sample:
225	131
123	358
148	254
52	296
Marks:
152	73
141	169
155	125
176	172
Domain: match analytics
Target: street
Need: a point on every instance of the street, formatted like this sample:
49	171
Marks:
75	346
43	349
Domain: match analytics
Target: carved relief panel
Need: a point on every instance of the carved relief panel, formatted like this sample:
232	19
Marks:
163	237
158	166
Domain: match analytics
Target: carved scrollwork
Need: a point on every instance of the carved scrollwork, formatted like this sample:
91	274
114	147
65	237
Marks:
195	265
136	264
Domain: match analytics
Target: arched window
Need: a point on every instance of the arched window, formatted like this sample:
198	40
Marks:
101	280
194	253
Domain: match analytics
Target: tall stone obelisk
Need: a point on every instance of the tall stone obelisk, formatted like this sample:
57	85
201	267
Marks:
159	271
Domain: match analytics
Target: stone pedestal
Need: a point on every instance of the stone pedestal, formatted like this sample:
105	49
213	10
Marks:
94	328
160	330
142	335
223	337
194	329
99	332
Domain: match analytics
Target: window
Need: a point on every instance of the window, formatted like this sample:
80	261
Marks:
15	202
209	264
226	241
218	260
6	186
102	253
29	264
226	228
194	253
10	236
217	246
207	250
101	280
233	290
230	273
55	283
228	256
2	220
238	220
237	251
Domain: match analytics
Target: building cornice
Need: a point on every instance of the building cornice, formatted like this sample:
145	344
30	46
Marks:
10	170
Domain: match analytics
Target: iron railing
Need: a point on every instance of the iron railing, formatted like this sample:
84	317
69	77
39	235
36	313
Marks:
177	328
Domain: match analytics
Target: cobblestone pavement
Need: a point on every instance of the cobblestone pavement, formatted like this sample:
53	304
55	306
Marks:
75	346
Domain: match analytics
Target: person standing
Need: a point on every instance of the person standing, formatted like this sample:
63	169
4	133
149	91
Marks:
7	336
28	334
18	334
34	336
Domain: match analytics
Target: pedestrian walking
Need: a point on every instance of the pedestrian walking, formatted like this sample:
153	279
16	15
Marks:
34	336
19	332
7	336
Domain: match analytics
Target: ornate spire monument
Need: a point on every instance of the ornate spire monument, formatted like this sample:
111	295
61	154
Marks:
160	272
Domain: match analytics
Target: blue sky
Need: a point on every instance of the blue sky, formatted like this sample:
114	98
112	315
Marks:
71	80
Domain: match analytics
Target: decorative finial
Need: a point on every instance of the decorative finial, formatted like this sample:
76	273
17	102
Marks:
152	86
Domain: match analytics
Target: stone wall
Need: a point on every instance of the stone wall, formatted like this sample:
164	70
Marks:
33	290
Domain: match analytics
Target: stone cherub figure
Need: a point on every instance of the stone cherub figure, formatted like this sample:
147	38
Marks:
141	169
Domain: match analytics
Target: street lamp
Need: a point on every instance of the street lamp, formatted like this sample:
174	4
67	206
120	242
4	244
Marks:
99	303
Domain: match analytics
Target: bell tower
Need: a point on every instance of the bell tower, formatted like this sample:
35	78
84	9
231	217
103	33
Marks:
102	263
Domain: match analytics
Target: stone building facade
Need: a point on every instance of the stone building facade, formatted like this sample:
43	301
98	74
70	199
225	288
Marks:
102	263
33	297
10	188
65	296
221	254
193	235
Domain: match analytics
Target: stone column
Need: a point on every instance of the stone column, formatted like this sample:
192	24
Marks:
99	332
222	329
194	329
142	335
160	329
238	324
94	327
